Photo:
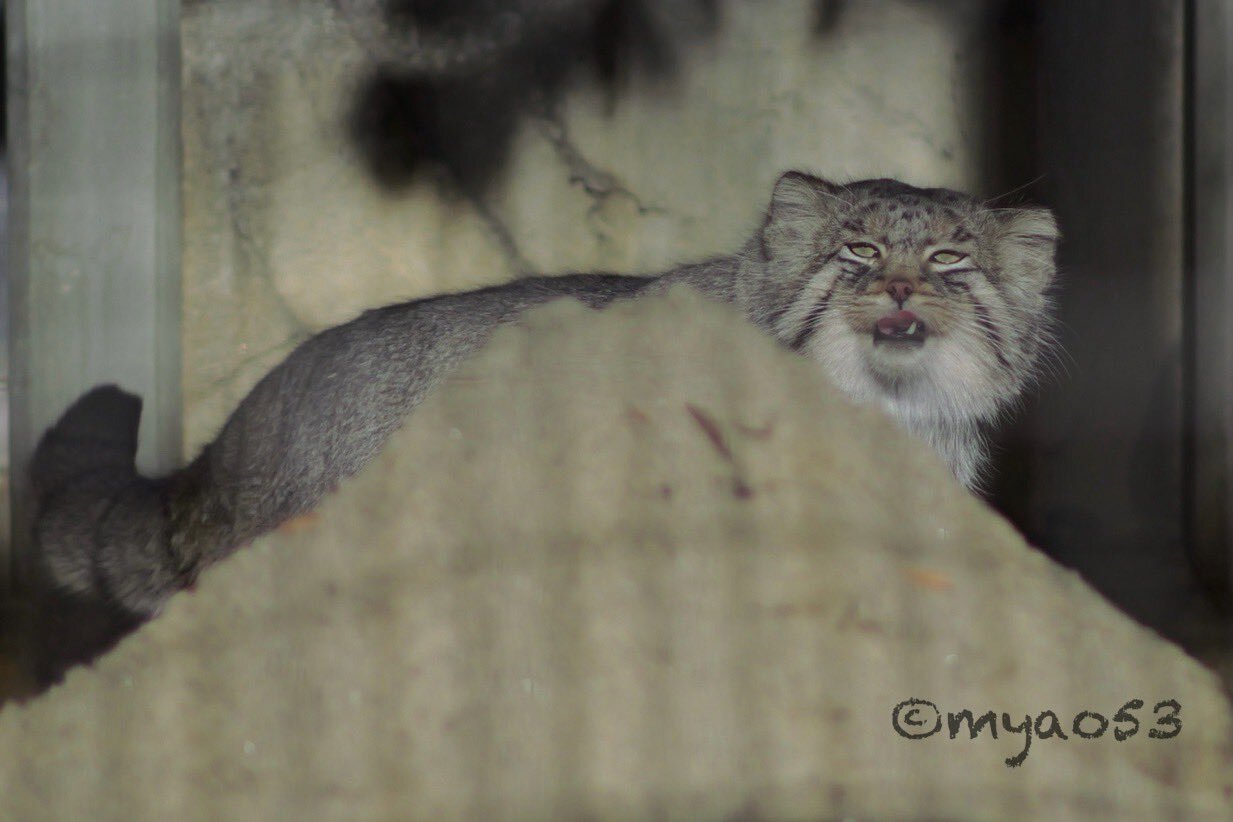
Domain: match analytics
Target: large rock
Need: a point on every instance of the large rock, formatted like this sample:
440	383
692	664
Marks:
633	564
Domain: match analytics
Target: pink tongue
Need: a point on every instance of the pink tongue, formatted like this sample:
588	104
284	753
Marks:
897	322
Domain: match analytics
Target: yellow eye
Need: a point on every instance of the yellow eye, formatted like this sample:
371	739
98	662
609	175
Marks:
866	251
946	257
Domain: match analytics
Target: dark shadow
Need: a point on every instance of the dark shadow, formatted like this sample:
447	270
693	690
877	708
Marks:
826	15
1092	471
400	125
65	631
459	110
1011	162
1011	168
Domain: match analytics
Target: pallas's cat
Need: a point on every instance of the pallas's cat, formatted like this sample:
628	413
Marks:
924	302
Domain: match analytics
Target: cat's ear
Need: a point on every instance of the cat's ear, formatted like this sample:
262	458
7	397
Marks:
1027	244
798	206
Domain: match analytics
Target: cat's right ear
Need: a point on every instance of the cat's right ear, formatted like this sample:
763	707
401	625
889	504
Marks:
1027	243
798	204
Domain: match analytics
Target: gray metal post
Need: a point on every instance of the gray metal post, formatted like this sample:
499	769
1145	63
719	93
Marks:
94	262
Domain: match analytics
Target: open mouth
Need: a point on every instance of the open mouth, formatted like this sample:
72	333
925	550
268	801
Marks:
900	328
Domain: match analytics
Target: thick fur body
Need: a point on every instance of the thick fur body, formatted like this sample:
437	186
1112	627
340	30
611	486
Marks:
978	327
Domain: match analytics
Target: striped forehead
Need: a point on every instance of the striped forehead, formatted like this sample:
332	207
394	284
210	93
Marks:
907	220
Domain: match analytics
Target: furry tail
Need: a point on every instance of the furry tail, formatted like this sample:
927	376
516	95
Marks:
101	529
97	433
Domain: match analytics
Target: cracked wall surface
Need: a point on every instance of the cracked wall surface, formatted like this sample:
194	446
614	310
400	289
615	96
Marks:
287	232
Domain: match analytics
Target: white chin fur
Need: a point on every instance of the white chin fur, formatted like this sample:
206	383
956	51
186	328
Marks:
892	363
932	391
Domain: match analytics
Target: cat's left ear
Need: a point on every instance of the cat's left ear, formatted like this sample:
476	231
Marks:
1027	244
796	212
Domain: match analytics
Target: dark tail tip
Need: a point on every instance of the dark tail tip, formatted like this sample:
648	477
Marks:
98	431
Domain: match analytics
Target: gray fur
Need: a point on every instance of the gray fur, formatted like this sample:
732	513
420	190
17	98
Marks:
321	415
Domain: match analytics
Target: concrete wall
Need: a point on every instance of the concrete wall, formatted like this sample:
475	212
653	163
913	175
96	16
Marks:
291	224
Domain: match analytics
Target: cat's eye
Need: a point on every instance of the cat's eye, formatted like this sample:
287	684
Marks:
866	251
946	257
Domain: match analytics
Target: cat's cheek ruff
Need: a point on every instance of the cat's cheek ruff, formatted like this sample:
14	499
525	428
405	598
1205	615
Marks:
943	398
840	357
955	384
798	319
1008	340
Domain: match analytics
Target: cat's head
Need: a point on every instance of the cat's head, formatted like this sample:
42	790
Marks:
925	301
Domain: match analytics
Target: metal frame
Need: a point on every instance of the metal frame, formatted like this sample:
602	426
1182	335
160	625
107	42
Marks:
94	223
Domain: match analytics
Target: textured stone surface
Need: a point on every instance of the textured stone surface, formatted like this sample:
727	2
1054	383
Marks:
631	564
286	232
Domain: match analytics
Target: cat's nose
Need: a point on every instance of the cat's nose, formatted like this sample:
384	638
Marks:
899	290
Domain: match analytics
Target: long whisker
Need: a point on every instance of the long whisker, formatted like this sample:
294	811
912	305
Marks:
1014	190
